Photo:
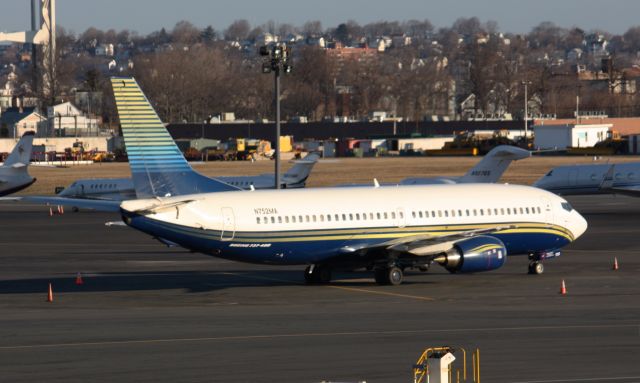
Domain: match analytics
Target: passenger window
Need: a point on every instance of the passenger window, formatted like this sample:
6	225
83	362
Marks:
459	213
364	216
401	214
413	214
350	217
468	213
328	217
521	211
300	220
273	219
258	220
393	215
481	211
371	216
337	216
446	213
293	218
314	218
420	214
286	219
378	215
475	212
527	210
307	218
509	211
385	215
357	216
488	211
279	219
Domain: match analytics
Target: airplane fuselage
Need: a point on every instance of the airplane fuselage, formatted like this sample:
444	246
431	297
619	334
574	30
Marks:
316	225
589	179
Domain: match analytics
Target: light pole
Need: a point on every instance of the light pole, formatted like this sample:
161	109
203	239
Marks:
526	112
276	61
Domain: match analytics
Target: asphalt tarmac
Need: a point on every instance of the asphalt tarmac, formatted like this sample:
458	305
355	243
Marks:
146	312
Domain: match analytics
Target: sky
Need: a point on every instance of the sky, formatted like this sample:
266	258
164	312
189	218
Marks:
145	16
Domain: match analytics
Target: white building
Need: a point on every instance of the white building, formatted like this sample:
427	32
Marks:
67	120
570	135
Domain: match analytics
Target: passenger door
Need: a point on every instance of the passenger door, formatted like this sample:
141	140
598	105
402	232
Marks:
547	210
228	224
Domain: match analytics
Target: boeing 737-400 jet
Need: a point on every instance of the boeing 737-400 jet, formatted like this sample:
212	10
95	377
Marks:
464	227
593	179
14	173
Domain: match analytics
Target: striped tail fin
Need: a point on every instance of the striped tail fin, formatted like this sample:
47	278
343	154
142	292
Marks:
158	168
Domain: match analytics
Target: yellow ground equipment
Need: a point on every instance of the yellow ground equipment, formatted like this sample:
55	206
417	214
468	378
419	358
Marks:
438	365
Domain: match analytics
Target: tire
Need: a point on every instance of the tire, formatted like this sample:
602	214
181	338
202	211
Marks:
323	274
320	275
538	268
308	277
381	276
394	276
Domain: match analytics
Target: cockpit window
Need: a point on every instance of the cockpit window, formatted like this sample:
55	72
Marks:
550	173
567	206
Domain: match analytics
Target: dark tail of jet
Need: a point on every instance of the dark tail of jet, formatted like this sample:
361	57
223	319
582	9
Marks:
21	153
158	168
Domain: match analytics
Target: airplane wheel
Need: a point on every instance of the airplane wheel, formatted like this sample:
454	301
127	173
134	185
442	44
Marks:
324	274
308	277
536	268
320	275
395	276
389	276
381	276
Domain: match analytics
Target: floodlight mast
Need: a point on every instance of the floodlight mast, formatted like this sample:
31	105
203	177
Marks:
276	60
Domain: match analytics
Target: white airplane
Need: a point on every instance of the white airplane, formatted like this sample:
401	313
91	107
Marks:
488	170
120	189
14	173
464	227
593	179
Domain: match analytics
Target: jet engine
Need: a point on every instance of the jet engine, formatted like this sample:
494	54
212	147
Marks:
481	253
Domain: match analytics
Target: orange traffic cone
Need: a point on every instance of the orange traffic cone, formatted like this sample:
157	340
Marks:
615	263
50	295
563	288
79	279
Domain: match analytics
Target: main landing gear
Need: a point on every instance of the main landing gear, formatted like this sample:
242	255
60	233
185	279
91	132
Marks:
390	275
317	274
535	264
536	267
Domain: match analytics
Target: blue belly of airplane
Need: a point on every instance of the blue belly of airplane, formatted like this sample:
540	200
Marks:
307	248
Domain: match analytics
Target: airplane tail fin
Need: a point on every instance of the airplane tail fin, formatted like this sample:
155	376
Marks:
21	154
298	174
158	168
494	164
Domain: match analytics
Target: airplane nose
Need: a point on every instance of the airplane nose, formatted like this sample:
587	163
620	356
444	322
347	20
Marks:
578	225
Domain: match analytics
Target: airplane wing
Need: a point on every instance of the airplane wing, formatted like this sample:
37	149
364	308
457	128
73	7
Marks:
631	191
425	244
82	203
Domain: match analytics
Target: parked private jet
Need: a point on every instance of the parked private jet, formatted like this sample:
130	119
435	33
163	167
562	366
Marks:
488	170
463	227
120	189
14	173
593	179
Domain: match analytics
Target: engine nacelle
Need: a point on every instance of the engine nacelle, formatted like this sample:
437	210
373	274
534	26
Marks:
481	253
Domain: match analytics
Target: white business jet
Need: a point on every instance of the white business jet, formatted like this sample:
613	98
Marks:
593	179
